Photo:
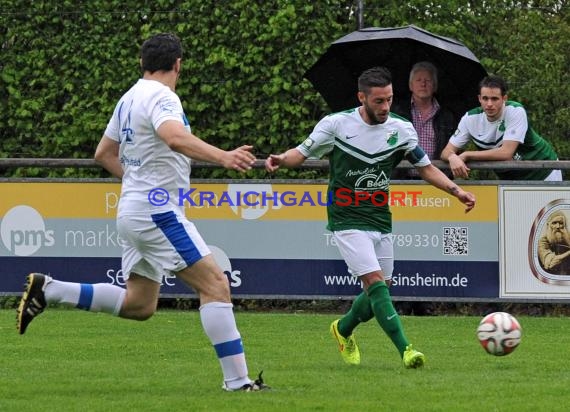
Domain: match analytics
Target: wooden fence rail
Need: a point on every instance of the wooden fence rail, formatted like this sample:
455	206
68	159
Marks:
309	164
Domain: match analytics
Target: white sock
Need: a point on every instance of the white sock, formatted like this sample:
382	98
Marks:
99	297
219	324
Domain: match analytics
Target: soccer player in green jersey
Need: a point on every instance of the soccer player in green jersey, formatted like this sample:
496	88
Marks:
500	131
364	145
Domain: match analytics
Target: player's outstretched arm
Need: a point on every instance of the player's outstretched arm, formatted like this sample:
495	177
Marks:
437	178
289	159
182	141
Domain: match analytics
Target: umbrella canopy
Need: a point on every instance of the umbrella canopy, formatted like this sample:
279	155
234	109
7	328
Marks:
335	74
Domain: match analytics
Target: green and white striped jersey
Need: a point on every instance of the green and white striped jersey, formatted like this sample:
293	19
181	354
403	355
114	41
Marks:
362	158
512	125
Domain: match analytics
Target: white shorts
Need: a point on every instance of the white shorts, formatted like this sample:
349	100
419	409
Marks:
366	251
159	245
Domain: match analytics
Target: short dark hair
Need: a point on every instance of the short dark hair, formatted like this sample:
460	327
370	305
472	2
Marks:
494	82
374	77
160	52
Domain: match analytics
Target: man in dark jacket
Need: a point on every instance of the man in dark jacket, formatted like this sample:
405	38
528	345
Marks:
434	123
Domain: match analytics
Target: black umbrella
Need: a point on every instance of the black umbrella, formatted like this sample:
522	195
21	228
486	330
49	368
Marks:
335	74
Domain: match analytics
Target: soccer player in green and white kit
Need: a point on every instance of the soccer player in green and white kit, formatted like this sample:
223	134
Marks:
500	131
364	145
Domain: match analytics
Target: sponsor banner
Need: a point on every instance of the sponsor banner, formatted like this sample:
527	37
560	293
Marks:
534	242
63	222
32	235
277	277
84	225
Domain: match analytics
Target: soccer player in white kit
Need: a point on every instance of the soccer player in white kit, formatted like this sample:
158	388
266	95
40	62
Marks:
500	130
148	144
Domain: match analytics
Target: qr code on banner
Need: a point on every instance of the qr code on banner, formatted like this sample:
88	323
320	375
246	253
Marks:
455	241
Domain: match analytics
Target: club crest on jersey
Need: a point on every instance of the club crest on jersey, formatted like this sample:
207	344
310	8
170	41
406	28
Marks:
308	142
392	137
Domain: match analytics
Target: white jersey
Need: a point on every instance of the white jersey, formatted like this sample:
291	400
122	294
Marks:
513	125
147	161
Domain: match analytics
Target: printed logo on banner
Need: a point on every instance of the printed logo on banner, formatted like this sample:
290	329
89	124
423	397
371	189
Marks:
23	231
549	244
225	264
255	200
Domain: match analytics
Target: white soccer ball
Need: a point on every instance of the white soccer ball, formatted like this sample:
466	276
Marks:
499	333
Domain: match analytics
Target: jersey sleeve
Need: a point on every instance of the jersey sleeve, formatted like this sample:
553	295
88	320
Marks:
165	106
461	137
112	130
417	157
516	124
321	140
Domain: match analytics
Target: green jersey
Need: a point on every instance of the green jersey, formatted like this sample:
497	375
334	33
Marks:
362	158
512	125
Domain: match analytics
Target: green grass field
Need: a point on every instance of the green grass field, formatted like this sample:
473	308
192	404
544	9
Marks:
75	361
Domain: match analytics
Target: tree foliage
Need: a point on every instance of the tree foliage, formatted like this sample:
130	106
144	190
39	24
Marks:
64	65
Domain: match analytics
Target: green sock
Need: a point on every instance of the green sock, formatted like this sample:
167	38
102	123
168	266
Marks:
386	315
359	312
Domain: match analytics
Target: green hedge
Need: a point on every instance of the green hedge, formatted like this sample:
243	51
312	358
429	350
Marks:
64	66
